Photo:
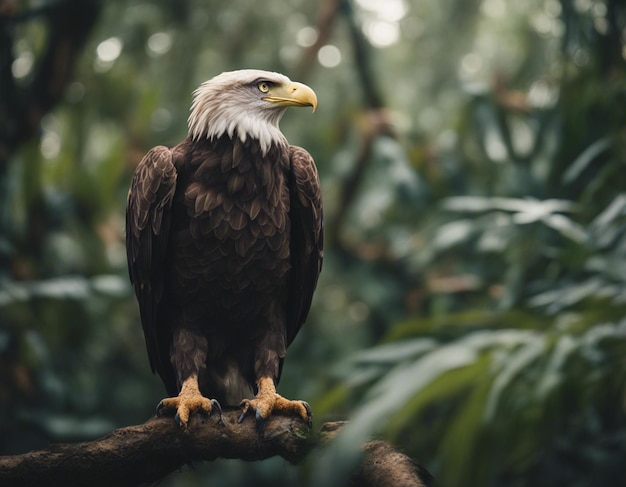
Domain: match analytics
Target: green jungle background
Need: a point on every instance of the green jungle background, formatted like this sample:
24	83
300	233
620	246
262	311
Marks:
472	305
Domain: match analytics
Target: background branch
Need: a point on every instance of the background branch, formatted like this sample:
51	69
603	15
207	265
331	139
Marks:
325	21
373	123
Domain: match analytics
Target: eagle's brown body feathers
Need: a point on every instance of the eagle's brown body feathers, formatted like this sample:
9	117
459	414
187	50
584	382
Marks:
225	249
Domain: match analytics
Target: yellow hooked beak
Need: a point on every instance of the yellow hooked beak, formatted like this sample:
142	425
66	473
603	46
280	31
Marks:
292	95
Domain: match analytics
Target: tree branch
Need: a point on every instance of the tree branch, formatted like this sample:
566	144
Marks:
382	465
146	453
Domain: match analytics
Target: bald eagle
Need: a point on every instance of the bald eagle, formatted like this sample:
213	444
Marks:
224	245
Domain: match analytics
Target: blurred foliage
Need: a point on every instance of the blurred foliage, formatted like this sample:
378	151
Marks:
472	306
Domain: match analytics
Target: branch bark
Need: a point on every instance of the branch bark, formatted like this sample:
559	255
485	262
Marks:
147	453
382	465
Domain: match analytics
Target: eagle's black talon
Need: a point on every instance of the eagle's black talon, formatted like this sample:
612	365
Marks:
160	409
260	422
177	419
216	407
309	414
244	405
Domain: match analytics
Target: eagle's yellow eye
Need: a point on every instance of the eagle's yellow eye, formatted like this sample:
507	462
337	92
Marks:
264	86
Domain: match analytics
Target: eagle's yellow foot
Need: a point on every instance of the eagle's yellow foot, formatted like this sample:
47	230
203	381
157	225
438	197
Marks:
267	402
189	400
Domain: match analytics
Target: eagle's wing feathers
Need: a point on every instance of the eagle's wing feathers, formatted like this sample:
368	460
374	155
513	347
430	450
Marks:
147	228
307	238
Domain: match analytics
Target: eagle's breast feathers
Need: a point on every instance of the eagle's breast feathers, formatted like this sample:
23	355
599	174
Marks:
232	240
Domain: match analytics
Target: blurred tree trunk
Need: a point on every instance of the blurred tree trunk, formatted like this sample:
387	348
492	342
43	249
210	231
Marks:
24	102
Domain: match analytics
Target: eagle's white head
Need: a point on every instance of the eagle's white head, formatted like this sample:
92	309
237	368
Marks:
246	103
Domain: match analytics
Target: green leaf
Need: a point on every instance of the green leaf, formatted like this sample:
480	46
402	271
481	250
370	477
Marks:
586	158
391	353
513	363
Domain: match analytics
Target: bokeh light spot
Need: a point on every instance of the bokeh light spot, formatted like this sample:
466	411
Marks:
306	37
109	50
159	43
23	64
382	33
329	56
